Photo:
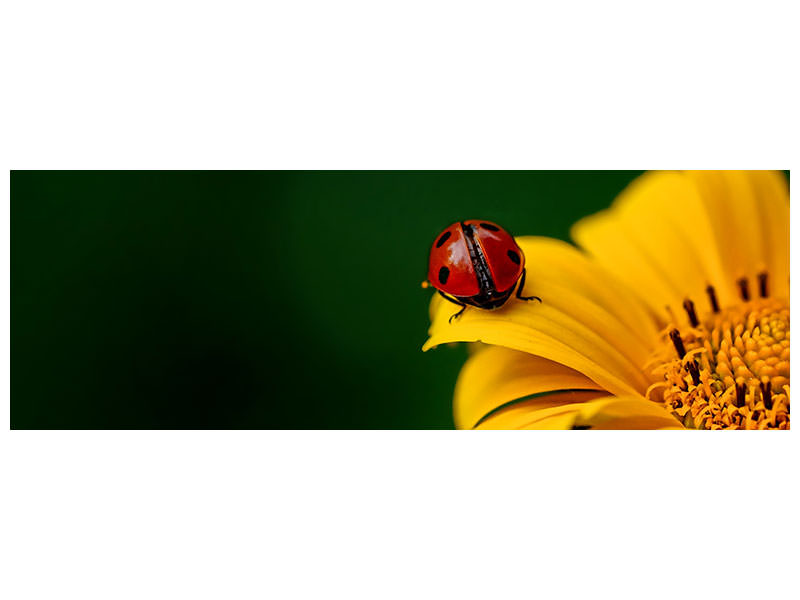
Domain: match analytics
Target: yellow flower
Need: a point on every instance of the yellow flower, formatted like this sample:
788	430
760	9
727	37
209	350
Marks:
674	314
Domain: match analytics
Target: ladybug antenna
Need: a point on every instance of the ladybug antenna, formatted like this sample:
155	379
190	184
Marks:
425	284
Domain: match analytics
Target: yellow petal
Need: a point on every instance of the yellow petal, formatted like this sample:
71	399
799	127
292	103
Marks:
658	239
751	223
545	331
626	413
563	264
553	411
669	235
496	376
598	412
772	199
583	322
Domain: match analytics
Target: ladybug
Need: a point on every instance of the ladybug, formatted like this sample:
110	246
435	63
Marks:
477	263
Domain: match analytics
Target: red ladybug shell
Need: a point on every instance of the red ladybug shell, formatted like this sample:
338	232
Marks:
450	267
451	270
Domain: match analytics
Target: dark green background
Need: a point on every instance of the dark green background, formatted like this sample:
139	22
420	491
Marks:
249	299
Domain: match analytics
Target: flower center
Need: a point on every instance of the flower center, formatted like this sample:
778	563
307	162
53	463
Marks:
730	370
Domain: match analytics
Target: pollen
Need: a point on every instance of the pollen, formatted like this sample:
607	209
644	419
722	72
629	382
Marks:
730	368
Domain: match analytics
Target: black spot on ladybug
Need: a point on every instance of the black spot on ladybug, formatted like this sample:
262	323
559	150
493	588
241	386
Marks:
490	227
513	256
444	273
443	239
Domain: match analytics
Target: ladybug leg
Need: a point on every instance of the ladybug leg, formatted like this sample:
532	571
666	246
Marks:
521	285
456	302
458	314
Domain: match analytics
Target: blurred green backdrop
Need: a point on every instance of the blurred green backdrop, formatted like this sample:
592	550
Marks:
280	300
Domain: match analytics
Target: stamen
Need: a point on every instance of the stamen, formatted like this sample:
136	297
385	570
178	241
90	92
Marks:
744	291
766	392
731	371
740	392
712	296
688	306
762	284
692	366
675	336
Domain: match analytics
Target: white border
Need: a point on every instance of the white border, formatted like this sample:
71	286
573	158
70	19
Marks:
312	84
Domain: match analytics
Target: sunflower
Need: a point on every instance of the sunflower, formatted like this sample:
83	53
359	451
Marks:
672	312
